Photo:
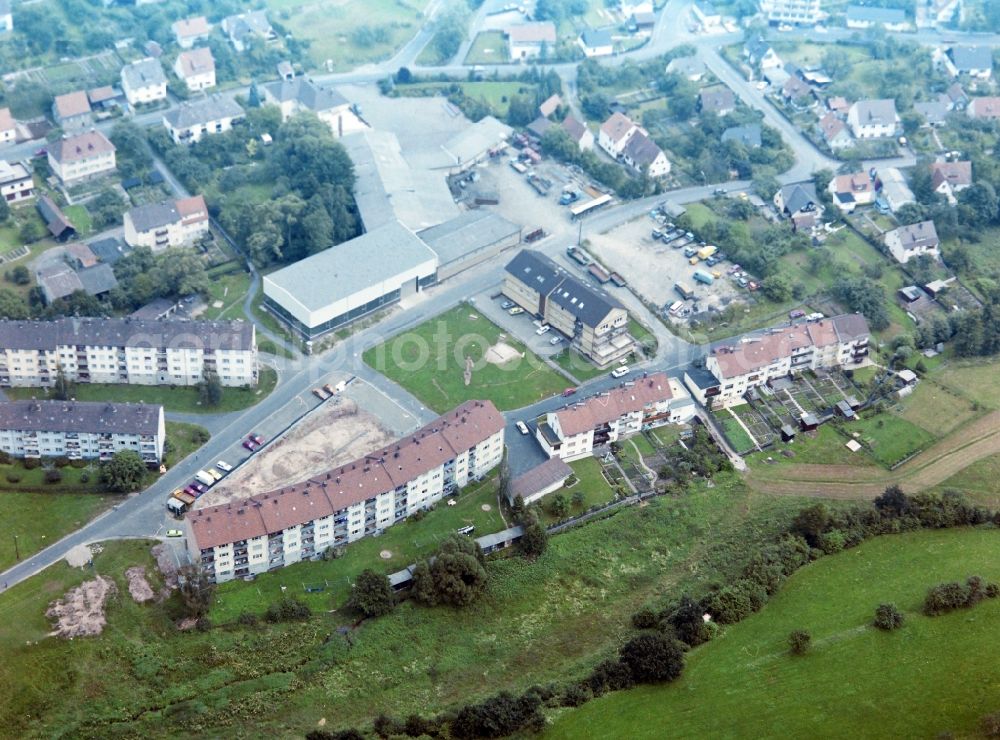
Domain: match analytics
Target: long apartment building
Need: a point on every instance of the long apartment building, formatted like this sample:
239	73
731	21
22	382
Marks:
81	431
344	504
595	323
731	370
167	352
574	431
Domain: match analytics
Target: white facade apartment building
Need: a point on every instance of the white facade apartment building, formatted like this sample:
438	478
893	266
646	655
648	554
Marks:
137	352
841	341
190	121
80	157
16	183
143	82
172	223
8	127
615	133
573	432
81	431
301	94
349	502
196	68
795	12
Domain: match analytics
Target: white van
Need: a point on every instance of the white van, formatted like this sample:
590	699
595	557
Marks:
620	372
675	307
204	478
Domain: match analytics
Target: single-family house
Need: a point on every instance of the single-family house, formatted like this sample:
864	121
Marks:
143	82
16	183
80	157
642	23
243	27
948	178
189	31
934	13
835	132
934	112
550	105
838	105
171	223
971	61
72	111
302	94
798	202
190	121
893	192
615	133
8	127
748	136
873	119
911	241
691	68
578	132
759	53
105	98
797	93
529	40
196	68
643	155
596	42
718	100
852	190
984	108
956	96
863	16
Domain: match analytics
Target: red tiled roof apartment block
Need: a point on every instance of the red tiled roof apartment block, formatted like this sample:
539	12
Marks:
364	497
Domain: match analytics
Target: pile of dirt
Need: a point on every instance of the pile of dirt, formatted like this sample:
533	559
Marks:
166	563
80	613
79	556
138	586
501	353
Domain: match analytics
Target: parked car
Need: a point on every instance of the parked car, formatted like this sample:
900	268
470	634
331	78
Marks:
620	372
555	340
257	439
543	329
720	191
522	427
224	466
507	304
515	311
250	444
175	533
568	392
189	488
215	474
199	487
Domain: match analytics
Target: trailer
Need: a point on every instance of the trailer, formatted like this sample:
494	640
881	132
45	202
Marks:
703	277
684	291
518	167
618	280
599	274
578	255
582	209
540	184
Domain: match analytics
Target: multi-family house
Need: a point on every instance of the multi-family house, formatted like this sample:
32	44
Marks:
171	223
72	111
873	119
189	31
792	12
196	68
615	134
190	121
948	178
575	431
107	350
143	82
244	27
81	431
852	190
913	240
16	183
890	19
528	40
798	201
595	323
348	502
644	156
76	158
841	341
301	94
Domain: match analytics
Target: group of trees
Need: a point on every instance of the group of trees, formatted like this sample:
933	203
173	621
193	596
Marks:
699	455
455	577
124	472
947	597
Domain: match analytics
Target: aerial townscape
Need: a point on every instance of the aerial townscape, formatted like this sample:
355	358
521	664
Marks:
473	369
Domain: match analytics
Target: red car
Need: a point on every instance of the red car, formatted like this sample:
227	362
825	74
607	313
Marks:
192	490
569	391
199	487
257	439
250	444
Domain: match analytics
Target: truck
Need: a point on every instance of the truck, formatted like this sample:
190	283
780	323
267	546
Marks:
540	184
707	251
518	167
704	277
684	291
569	195
204	478
578	255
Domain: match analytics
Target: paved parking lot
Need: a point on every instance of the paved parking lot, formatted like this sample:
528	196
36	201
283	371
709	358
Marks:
522	327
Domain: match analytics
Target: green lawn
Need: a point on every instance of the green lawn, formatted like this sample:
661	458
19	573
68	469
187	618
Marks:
642	335
825	446
936	409
40	518
734	432
271	348
577	365
429	361
890	437
855	681
489	47
590	481
80	218
978	377
495	94
177	398
230	290
183	440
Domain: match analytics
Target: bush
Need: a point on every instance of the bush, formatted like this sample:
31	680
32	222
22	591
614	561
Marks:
946	597
85	477
13	477
204	624
576	695
498	716
61	462
610	675
644	619
798	642
5	458
247	619
652	658
888	617
53	475
287	610
30	463
78	464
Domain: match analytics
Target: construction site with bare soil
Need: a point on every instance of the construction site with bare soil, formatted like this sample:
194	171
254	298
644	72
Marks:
337	432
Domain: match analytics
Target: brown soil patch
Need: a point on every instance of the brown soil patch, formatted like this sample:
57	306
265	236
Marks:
935	465
336	433
138	587
167	564
80	613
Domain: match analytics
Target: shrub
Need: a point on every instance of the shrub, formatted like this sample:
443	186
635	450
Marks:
13	477
946	597
287	610
247	619
53	475
78	464
798	642
30	463
498	716
735	602
644	619
5	458
576	695
888	617
652	657
204	624
832	542
610	675
85	477
61	462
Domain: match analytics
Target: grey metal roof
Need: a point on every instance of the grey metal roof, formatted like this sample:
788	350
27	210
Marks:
876	112
868	14
41	335
109	250
343	270
97	279
143	73
307	93
497	538
798	195
202	111
748	135
78	416
593	37
154	215
473	141
467	233
552	471
971	58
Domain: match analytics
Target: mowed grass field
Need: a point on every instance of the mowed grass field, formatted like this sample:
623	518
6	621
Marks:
934	677
429	361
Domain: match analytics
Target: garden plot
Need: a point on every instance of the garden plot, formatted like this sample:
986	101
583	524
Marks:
760	430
